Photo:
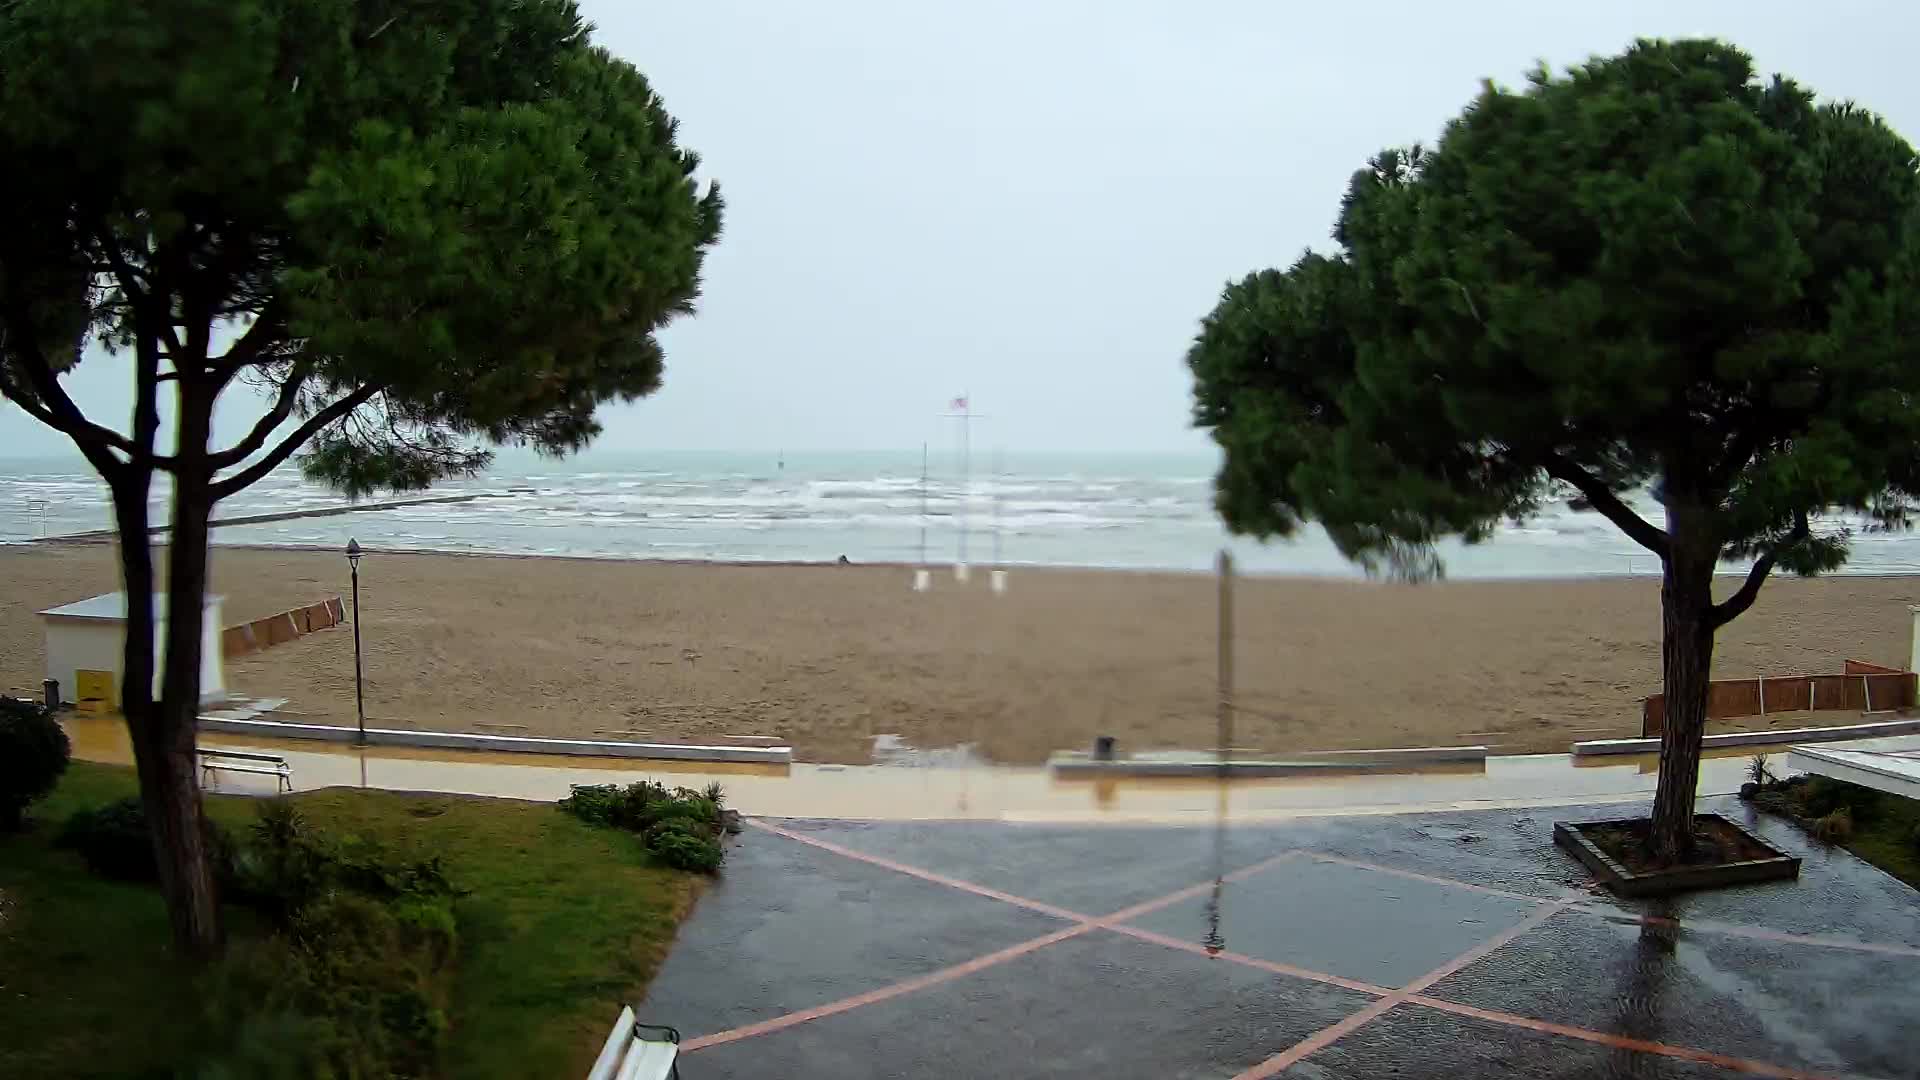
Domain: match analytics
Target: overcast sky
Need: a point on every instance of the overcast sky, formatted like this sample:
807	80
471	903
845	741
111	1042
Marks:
1034	202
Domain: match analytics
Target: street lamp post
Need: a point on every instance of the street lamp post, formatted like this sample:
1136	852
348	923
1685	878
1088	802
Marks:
359	691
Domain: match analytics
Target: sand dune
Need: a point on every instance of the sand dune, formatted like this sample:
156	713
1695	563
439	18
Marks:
829	656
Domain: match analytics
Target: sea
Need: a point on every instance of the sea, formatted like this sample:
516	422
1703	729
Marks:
1130	511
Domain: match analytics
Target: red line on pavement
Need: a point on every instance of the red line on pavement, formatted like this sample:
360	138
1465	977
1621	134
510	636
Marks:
1388	999
1618	1042
1319	1040
1327	1036
908	986
924	875
1082	924
1190	891
1253	961
1482	950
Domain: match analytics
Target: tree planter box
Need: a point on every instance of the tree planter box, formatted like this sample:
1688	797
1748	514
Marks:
1775	866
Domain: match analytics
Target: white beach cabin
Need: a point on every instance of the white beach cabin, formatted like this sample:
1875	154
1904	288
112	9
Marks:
88	635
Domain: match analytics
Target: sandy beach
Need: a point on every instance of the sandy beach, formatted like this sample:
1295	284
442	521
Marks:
830	656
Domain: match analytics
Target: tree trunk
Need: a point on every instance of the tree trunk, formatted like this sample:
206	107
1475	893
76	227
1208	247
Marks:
169	779
1686	663
163	752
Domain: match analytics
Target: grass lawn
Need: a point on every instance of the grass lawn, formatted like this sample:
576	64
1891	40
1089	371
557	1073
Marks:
561	923
1889	841
1881	828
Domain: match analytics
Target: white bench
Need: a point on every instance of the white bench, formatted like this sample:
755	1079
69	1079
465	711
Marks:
634	1051
237	761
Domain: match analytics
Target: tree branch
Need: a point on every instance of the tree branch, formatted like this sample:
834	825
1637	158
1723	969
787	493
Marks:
139	289
1734	606
52	406
266	330
264	427
1637	528
273	458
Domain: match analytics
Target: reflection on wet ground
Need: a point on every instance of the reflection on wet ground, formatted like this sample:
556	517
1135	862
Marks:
921	920
1415	945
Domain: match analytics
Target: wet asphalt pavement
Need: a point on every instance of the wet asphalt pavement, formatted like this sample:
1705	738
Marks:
1431	945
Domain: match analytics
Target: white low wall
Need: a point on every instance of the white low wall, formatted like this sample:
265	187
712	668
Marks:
512	744
1756	738
1897	776
1310	763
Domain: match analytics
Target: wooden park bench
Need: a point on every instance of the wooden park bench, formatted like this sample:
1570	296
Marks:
634	1051
237	761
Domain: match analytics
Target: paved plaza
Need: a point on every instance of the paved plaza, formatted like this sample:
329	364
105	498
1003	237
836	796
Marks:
1452	944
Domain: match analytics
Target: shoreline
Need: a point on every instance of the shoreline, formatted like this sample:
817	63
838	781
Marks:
105	538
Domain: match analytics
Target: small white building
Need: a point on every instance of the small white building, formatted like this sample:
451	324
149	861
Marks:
90	635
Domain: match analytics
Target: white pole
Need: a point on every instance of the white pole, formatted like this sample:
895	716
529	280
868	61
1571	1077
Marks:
998	578
966	480
922	580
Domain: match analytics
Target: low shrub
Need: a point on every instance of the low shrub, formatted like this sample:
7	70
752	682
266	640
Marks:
680	826
114	842
1835	827
34	751
288	863
684	845
352	988
354	975
595	804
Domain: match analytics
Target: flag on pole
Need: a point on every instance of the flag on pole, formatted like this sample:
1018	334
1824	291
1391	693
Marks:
959	404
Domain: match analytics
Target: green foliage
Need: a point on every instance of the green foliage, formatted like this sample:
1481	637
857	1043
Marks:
680	826
114	841
422	229
354	981
34	751
463	218
1655	267
354	988
1654	271
289	863
357	970
557	924
685	845
1835	827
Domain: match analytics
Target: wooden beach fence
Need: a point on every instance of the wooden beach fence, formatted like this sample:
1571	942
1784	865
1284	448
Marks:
1862	687
277	629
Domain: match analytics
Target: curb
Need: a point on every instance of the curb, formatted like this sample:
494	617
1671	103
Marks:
512	744
1756	738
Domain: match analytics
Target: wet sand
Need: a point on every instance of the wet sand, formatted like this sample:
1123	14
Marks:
829	656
